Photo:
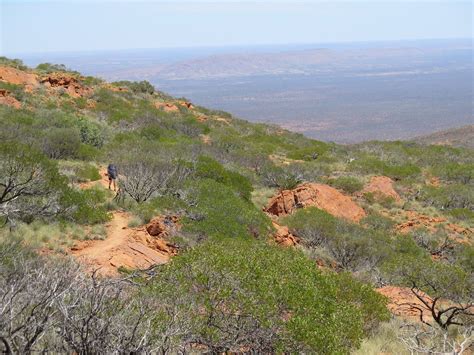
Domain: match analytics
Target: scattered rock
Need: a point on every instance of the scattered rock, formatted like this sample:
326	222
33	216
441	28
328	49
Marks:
318	195
417	220
381	186
162	226
7	99
186	104
283	236
206	139
166	106
67	82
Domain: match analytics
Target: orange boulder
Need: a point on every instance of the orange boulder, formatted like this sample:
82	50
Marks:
318	195
7	99
18	77
381	186
283	236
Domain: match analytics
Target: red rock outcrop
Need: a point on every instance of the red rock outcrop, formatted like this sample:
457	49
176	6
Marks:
404	303
132	248
186	104
18	77
7	99
318	195
381	186
417	220
66	82
162	226
283	236
166	106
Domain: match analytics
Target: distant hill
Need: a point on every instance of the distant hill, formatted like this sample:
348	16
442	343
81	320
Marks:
458	137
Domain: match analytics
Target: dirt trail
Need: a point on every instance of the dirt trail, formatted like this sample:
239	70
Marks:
104	180
132	248
117	232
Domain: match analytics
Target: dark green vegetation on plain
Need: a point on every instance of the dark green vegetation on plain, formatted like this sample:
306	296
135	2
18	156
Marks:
230	288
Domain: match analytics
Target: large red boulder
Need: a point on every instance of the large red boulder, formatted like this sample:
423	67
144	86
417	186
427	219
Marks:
318	195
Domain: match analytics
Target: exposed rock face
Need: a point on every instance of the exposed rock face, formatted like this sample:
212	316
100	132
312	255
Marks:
283	236
166	106
162	226
18	77
381	186
403	303
416	220
6	99
132	248
186	104
66	82
318	195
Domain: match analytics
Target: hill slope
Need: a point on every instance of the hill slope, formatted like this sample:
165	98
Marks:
226	196
456	137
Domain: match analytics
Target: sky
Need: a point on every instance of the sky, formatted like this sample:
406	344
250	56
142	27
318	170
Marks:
66	26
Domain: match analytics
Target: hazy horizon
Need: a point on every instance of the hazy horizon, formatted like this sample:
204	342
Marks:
133	25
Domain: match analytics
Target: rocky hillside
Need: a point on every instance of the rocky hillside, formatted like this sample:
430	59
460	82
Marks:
222	235
456	137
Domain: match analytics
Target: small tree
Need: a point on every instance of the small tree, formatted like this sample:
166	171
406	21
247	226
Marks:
30	185
444	291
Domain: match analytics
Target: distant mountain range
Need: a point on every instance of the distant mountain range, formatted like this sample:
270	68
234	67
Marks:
457	137
345	93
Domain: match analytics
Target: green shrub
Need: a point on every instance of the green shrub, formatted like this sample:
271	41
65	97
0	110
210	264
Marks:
15	63
17	91
30	184
378	222
350	245
462	214
218	211
62	143
243	293
348	184
312	152
285	178
456	172
440	281
208	168
91	133
88	172
85	206
453	196
371	165
138	87
50	68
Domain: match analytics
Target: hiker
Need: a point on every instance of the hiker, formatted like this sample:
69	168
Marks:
112	174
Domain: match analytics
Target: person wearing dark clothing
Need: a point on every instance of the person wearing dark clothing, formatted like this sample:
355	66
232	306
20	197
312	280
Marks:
112	174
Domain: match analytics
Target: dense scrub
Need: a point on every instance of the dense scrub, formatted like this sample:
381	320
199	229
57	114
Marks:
229	288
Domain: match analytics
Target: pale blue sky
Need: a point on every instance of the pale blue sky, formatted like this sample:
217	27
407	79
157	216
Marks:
74	25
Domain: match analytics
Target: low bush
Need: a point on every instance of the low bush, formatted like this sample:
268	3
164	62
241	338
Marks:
348	184
243	293
371	165
208	168
138	87
85	206
62	143
455	172
216	210
454	196
351	246
88	172
15	63
462	214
